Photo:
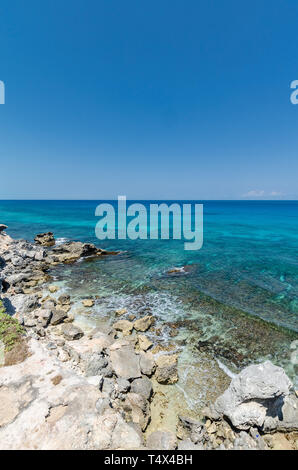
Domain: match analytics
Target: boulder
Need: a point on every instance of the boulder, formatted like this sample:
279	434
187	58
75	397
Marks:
64	299
53	289
124	326
120	312
122	385
144	343
2	227
167	371
137	409
71	332
20	304
95	365
161	440
143	324
58	317
125	363
147	364
88	302
45	239
142	386
256	396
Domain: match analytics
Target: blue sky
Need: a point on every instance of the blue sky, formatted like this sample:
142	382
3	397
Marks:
162	99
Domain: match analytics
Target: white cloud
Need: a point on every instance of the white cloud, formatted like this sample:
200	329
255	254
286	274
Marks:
255	193
275	193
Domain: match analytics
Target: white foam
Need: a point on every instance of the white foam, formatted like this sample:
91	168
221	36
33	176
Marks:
60	241
226	370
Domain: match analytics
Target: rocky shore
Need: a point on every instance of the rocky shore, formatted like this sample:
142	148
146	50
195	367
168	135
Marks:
65	388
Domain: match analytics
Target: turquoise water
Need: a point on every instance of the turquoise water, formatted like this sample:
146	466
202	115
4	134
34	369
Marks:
247	270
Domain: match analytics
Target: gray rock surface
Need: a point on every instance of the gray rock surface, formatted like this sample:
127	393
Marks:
125	363
161	440
252	393
143	386
72	332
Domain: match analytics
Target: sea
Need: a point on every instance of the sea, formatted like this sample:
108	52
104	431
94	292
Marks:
234	303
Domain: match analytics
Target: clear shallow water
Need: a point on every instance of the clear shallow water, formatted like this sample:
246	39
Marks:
247	271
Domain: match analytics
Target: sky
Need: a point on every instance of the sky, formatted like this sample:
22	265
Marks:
167	99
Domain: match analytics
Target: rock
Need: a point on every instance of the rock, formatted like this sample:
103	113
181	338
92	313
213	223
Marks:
137	409
3	227
125	363
278	441
44	316
58	317
95	365
122	385
108	386
120	312
114	433
143	324
30	322
282	414
45	239
63	355
191	428
88	302
147	364
257	389
71	332
142	386
124	326
167	371
72	251
53	289
161	440
144	342
187	444
20	304
64	299
103	404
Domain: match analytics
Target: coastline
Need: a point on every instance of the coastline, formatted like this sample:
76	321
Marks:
132	389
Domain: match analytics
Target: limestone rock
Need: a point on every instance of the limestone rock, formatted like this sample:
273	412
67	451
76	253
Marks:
45	239
167	371
147	363
58	317
124	326
88	302
137	409
161	440
64	299
143	324
120	312
144	342
142	386
3	227
252	393
71	332
125	363
53	289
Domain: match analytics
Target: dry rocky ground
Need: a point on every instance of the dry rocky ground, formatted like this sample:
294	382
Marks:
61	388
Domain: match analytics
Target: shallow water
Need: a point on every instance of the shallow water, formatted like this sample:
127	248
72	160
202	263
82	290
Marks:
238	300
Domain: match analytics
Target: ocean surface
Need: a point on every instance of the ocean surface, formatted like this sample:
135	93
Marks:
236	301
